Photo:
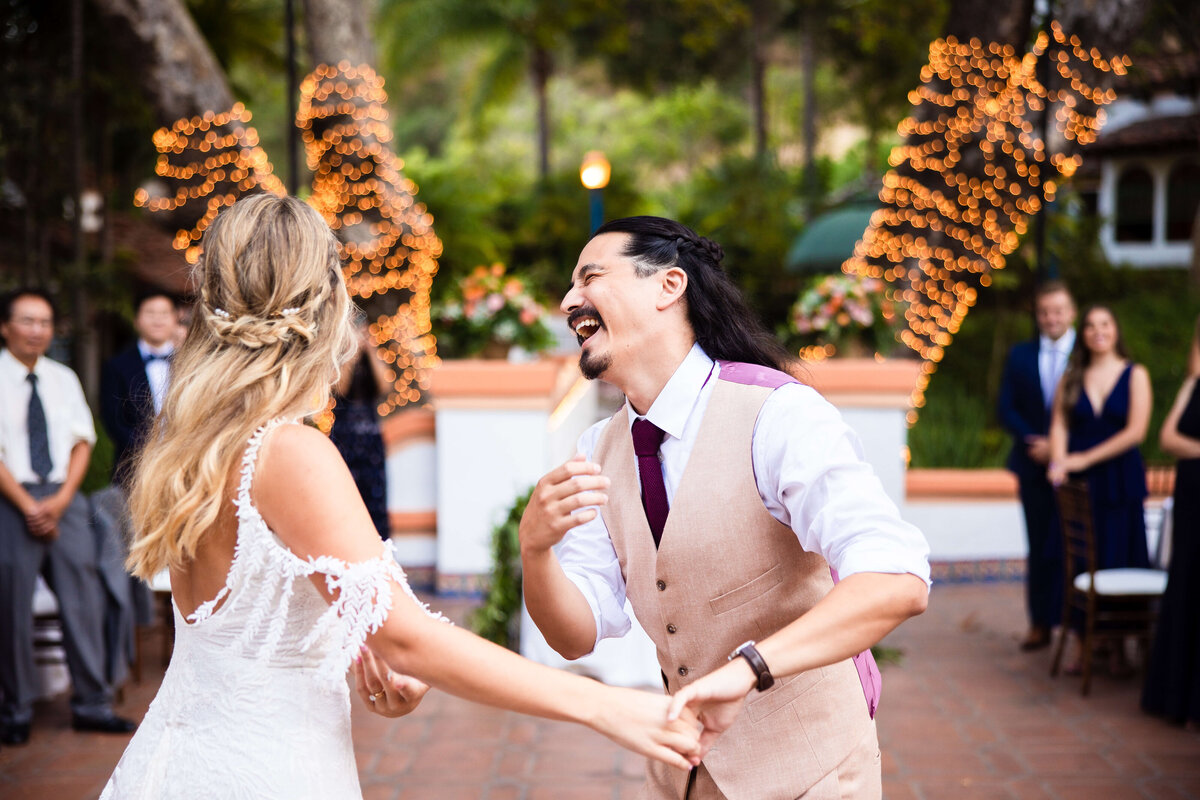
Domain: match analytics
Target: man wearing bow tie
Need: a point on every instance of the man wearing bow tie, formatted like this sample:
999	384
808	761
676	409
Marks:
46	437
134	381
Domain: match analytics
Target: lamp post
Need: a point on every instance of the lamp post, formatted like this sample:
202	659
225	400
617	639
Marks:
594	173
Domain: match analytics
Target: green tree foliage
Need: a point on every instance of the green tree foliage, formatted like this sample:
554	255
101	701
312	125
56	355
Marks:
879	47
512	39
750	207
498	619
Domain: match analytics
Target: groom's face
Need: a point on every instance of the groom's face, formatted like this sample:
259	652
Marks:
609	307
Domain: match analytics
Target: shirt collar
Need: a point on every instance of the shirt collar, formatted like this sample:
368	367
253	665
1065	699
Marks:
146	350
674	404
10	363
1063	344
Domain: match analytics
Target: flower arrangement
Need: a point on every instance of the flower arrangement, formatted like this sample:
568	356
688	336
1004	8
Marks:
848	313
489	312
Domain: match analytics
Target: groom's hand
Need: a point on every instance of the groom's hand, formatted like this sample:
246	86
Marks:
554	505
716	700
387	693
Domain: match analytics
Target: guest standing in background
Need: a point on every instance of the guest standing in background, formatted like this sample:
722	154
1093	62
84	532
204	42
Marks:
1172	687
46	438
1101	413
355	430
1027	390
134	381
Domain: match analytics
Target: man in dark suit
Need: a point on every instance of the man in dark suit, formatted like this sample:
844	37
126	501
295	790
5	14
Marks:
134	381
1027	390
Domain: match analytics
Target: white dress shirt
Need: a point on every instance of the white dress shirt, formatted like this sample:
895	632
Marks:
811	476
1053	355
158	370
68	419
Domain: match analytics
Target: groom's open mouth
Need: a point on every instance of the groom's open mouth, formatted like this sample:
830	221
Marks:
585	323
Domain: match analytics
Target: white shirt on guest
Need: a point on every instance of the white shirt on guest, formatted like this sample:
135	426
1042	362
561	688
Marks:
809	468
158	370
68	419
1053	355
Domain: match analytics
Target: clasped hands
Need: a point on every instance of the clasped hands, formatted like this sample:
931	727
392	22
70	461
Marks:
1058	471
42	516
678	730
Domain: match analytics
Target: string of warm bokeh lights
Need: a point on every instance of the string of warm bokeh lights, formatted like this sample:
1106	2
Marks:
212	159
972	171
389	248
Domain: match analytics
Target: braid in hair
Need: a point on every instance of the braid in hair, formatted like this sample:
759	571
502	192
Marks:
720	318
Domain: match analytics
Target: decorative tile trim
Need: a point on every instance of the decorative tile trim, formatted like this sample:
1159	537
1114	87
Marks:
421	579
982	571
464	585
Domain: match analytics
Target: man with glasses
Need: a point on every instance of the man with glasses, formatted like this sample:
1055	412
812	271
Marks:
46	438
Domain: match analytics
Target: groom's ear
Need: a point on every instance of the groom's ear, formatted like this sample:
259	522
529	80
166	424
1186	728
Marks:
673	283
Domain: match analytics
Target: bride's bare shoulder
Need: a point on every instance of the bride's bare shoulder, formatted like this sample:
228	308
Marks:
296	458
304	490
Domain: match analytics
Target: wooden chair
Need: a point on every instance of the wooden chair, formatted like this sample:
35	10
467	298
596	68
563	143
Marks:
1114	603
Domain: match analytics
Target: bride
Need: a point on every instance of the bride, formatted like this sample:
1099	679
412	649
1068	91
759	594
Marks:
278	578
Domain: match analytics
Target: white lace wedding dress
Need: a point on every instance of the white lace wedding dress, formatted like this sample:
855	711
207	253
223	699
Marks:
255	702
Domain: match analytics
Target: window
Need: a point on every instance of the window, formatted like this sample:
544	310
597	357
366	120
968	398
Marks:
1183	200
1135	205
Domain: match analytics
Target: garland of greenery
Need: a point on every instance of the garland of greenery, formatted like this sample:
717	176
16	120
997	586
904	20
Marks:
496	619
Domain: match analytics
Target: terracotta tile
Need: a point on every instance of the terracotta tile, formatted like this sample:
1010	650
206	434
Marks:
965	715
976	789
1092	789
589	791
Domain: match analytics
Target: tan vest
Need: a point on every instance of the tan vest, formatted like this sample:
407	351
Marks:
727	571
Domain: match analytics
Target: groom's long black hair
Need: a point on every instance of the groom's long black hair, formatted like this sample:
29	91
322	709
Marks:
723	323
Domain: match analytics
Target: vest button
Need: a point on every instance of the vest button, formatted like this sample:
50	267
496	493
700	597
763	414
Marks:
662	585
671	629
683	670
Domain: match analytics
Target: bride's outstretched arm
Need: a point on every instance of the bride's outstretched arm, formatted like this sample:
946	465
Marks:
304	491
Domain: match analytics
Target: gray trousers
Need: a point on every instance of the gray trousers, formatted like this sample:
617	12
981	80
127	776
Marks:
69	565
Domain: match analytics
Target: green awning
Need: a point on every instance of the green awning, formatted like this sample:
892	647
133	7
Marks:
829	239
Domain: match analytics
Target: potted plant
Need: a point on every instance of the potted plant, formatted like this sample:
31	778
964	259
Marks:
845	314
488	313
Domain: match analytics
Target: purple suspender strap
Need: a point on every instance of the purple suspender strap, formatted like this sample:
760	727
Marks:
756	375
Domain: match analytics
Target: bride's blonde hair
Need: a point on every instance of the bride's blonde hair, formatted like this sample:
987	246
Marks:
271	330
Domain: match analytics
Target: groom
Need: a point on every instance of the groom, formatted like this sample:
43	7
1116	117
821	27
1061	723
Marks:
725	499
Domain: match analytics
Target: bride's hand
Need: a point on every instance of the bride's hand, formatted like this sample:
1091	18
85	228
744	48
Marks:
716	699
638	721
387	693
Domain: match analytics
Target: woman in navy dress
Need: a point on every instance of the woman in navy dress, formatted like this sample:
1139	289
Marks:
355	430
1172	687
1101	413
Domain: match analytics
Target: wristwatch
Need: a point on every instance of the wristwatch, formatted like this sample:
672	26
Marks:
748	651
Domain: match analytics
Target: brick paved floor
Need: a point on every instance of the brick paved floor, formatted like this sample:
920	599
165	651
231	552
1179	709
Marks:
964	715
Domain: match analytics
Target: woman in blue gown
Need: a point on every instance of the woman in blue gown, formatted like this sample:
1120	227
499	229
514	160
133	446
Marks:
355	430
1172	688
1100	417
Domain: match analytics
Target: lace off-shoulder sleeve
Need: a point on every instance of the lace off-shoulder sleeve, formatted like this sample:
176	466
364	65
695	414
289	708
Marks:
362	601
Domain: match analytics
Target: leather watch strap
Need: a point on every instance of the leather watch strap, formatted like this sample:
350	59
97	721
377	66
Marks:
761	672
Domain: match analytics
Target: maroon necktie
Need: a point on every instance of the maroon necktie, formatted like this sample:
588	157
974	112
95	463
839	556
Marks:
647	438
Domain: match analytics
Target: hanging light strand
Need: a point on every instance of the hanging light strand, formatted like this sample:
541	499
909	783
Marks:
389	248
972	171
208	161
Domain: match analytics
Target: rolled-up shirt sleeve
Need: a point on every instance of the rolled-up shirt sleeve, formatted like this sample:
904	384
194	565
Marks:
82	426
811	475
589	560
